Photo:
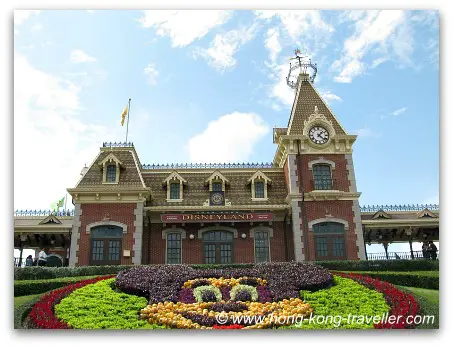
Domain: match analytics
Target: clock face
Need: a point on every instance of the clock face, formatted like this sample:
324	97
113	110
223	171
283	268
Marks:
217	198
319	135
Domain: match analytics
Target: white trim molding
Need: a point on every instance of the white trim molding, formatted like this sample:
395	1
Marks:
109	222
328	219
167	231
217	228
321	160
217	176
175	177
104	164
261	228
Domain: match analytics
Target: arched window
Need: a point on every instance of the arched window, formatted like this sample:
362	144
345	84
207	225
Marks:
218	247
329	241
322	177
174	248
106	243
261	246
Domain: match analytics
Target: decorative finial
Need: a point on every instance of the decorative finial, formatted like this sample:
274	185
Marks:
316	109
302	63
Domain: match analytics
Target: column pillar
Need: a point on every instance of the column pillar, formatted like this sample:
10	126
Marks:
386	245
410	246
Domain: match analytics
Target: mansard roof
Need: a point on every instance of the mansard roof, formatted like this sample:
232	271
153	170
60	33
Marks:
307	98
130	174
238	191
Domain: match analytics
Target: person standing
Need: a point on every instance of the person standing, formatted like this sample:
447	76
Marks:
425	250
432	250
29	261
42	257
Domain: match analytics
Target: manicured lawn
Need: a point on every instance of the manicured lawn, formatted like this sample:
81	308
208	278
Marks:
430	294
22	299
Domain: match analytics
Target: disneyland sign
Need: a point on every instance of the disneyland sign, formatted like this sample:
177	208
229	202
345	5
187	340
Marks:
217	217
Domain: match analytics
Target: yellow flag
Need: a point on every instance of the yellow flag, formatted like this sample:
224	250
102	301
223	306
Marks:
123	116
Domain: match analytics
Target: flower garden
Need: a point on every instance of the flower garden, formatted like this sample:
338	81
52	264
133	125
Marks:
262	296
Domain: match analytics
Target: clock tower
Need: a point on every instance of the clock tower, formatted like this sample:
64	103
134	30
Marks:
315	152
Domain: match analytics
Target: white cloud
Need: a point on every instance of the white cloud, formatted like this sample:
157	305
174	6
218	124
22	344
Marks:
329	96
35	28
272	43
367	132
151	74
79	56
398	111
239	133
184	26
385	32
51	144
20	16
306	29
298	22
220	55
280	89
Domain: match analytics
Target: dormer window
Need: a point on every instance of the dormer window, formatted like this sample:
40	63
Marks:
217	182
175	187
110	167
111	174
217	187
259	190
259	183
175	191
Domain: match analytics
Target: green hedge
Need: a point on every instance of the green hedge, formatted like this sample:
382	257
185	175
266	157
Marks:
380	265
423	279
21	312
37	272
29	287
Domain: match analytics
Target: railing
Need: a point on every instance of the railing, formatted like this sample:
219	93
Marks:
373	208
208	166
323	184
399	255
16	261
45	213
117	144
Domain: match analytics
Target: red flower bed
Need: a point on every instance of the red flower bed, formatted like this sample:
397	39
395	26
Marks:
232	326
42	314
401	303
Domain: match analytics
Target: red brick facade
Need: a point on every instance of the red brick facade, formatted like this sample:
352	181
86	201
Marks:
92	213
192	250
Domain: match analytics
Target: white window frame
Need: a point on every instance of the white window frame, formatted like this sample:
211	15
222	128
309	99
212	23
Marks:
165	234
270	233
259	176
174	177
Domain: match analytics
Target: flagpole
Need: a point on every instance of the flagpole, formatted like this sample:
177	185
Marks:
65	200
128	110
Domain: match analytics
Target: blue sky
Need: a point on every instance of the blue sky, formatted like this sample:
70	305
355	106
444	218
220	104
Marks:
209	86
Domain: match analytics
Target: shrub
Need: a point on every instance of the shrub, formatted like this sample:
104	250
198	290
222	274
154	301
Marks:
29	287
162	283
42	316
345	298
207	294
401	303
21	312
380	265
40	272
229	307
98	306
428	280
244	292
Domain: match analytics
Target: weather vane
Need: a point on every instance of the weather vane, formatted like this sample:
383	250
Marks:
301	63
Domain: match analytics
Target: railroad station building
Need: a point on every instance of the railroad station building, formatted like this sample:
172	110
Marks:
304	205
